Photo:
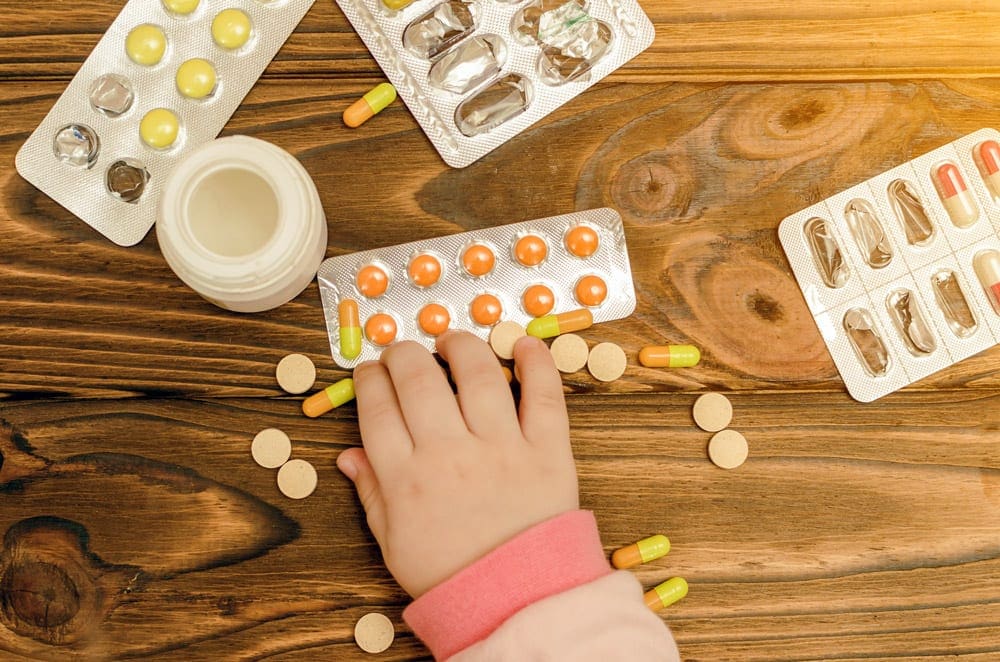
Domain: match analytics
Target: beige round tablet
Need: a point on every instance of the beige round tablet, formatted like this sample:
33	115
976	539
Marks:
297	479
570	352
374	633
296	374
271	448
607	362
503	336
712	412
728	449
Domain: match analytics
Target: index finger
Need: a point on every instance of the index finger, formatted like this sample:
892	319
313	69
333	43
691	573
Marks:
543	408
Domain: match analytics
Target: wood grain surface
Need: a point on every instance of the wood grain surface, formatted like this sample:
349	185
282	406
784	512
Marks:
135	524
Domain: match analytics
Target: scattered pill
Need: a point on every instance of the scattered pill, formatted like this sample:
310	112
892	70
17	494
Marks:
180	7
582	240
503	337
372	103
570	353
159	128
607	362
644	551
350	328
231	29
666	594
271	448
554	325
989	161
955	196
591	290
380	329
329	398
712	412
669	356
728	449
507	374
424	270
196	78
530	250
374	633
372	281
434	319
297	479
987	266
485	310
295	373
478	260
396	5
145	44
538	300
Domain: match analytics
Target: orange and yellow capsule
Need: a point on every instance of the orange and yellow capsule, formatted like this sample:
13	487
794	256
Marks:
669	356
371	104
666	593
555	325
329	398
350	329
644	551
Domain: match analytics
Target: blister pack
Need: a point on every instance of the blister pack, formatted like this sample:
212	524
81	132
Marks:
902	272
475	73
474	280
166	77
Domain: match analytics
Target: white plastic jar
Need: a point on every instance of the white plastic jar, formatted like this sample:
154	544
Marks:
241	223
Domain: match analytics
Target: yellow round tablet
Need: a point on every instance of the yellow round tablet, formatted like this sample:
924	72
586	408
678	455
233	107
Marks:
180	7
159	128
196	79
231	29
145	44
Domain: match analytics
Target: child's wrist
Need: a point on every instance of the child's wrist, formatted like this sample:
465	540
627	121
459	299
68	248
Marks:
550	557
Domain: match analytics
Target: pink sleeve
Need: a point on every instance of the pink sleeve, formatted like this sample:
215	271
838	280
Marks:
547	592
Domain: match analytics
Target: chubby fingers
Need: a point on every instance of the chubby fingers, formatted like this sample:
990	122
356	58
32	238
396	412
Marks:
383	429
354	464
543	409
483	393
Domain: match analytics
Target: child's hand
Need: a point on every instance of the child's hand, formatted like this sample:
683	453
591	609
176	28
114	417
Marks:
444	479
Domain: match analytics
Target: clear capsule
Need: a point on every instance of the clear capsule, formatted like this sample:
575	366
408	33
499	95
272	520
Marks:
953	303
865	340
909	322
868	233
910	212
826	253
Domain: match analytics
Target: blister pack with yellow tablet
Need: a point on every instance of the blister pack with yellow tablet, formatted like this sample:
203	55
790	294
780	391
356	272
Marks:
165	78
477	281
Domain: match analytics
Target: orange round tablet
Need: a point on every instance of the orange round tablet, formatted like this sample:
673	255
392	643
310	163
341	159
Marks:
582	240
538	300
372	281
530	250
591	290
478	260
424	270
433	319
486	310
380	329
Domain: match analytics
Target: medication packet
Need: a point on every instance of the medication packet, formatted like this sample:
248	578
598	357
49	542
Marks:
475	73
165	78
474	281
902	272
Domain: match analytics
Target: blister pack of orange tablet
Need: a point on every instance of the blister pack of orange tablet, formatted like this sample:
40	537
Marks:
474	280
902	272
163	79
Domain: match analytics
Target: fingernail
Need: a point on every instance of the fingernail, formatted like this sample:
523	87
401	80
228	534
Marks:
347	466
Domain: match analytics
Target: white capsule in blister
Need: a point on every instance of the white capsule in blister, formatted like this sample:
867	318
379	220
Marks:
987	267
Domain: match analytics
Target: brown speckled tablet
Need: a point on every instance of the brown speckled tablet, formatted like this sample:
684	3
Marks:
271	448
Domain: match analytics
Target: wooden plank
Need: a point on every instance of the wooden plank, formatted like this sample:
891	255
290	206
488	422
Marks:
702	175
864	531
736	40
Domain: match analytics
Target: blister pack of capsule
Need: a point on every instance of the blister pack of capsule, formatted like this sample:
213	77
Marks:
475	280
164	78
902	272
475	73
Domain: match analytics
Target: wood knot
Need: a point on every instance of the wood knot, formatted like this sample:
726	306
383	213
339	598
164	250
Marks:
656	186
40	594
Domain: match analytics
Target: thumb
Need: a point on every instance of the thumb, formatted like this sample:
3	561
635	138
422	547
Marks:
354	464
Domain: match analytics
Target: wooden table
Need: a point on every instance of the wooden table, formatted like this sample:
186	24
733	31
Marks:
137	525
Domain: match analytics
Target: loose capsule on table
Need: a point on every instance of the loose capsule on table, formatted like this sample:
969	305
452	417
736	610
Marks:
955	196
329	398
371	104
669	356
554	325
644	551
666	594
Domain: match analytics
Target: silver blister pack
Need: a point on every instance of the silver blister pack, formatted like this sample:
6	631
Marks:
476	73
902	272
176	68
580	251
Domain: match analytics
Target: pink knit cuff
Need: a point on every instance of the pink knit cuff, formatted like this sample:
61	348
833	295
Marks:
551	557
